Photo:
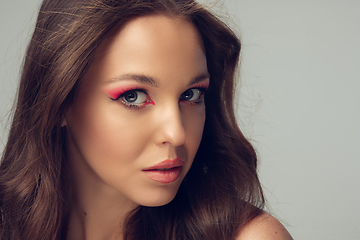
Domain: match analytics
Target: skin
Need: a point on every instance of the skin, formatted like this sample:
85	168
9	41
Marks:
264	227
110	144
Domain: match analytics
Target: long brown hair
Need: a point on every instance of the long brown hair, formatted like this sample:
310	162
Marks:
220	193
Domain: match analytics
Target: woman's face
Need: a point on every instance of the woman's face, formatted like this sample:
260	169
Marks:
138	117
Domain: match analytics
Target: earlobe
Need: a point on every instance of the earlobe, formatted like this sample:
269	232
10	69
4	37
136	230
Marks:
63	123
67	114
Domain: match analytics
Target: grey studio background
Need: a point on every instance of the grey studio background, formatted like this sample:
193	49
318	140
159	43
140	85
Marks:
300	79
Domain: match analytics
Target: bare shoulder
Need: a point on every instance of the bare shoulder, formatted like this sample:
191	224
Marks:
264	227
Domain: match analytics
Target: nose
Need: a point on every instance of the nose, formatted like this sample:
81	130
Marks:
170	127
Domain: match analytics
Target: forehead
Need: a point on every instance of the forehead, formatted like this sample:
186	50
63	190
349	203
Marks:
150	36
156	27
170	30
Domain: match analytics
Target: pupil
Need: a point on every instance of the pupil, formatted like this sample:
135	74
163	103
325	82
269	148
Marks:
131	97
188	95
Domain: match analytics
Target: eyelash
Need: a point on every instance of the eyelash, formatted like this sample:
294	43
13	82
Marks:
202	90
121	97
131	105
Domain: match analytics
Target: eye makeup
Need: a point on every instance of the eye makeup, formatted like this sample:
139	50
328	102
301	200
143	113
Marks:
118	93
201	88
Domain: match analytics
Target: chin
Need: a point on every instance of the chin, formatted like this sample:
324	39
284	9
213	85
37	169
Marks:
157	203
158	197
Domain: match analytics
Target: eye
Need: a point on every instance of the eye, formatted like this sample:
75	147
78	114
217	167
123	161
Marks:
135	98
192	95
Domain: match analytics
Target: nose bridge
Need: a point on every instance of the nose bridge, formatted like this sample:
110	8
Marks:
171	129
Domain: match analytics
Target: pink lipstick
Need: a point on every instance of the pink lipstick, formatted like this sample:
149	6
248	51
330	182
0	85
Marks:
167	171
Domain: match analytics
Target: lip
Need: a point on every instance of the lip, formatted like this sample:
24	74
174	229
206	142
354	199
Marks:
167	171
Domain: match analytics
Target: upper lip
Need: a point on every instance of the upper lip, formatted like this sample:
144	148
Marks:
166	164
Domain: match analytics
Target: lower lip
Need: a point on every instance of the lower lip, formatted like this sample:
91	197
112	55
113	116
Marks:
164	176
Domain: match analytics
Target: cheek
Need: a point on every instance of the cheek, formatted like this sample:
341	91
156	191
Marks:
106	133
194	125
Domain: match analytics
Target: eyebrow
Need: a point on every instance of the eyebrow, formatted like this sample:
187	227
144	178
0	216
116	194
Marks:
199	78
141	78
137	77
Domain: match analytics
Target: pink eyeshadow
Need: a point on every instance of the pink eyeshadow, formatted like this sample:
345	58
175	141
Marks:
116	92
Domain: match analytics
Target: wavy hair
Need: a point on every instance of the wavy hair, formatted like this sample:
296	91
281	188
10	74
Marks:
220	193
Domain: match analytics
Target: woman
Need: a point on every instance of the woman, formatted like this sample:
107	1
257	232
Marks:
111	139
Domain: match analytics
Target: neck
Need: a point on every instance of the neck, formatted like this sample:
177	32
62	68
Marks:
97	211
97	219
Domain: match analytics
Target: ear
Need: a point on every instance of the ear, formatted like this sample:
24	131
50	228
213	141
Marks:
65	116
63	123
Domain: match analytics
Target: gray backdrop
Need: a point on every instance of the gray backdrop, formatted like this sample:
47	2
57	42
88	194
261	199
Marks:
298	104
